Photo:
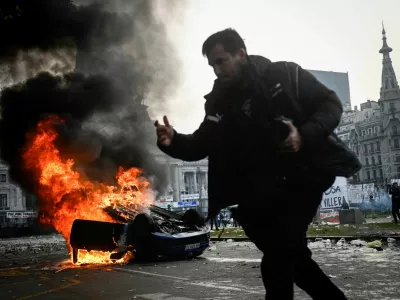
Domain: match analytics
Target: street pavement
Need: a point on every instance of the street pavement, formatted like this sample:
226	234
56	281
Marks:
229	270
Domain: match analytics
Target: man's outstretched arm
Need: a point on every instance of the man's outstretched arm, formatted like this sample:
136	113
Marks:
188	147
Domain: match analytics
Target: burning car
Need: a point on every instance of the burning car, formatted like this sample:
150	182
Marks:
157	232
103	220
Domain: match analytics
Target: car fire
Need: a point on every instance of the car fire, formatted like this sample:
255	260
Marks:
103	223
66	195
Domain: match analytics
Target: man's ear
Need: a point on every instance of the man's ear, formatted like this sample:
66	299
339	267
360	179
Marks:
241	54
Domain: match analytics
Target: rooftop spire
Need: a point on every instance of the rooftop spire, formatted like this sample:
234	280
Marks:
385	48
390	88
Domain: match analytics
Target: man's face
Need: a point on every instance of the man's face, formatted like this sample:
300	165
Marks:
227	67
395	185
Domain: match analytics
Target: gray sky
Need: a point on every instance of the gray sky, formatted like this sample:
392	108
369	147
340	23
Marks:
340	35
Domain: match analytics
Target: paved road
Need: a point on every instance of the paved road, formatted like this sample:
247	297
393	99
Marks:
228	271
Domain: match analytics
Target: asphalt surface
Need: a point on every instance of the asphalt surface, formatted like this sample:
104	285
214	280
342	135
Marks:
229	270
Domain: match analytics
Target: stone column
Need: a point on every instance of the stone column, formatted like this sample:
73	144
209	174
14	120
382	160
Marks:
176	183
195	181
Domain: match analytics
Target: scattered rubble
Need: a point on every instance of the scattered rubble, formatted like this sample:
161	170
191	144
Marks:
31	250
342	244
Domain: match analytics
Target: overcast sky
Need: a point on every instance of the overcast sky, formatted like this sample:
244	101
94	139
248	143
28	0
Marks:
340	35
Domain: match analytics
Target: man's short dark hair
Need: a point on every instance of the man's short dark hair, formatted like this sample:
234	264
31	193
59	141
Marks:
229	38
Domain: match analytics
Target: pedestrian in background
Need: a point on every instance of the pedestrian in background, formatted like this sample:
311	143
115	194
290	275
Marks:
394	190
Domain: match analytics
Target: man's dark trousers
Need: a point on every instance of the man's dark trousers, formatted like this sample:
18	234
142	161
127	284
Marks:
396	209
276	220
214	221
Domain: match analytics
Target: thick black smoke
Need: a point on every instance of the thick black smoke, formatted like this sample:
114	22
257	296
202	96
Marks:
102	59
52	24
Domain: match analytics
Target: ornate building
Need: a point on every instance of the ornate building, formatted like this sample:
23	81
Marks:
15	211
373	132
187	184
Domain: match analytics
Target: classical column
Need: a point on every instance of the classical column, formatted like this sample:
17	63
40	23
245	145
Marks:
176	183
195	182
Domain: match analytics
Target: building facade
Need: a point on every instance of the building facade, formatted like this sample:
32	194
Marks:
373	132
337	82
14	211
187	184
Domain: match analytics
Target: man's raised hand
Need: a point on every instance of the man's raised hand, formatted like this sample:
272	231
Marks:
165	133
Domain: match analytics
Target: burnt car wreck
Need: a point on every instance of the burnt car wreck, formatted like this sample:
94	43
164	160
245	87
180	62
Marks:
149	235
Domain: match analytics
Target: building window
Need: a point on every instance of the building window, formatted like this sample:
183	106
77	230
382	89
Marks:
379	160
392	107
368	176
396	143
4	205
374	172
392	82
394	129
369	130
382	107
373	161
3	178
357	150
381	172
386	83
365	148
367	161
362	132
372	147
378	146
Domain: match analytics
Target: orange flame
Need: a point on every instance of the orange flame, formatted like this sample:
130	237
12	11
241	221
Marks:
99	257
65	195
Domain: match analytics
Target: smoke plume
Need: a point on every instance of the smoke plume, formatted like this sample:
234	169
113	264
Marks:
94	63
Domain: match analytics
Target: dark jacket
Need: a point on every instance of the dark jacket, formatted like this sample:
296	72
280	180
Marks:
239	135
395	192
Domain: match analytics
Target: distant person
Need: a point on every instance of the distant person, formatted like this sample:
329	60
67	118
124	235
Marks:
394	190
268	135
215	220
345	205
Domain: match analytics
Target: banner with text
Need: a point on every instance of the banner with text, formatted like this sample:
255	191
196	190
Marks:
21	215
355	193
336	195
368	191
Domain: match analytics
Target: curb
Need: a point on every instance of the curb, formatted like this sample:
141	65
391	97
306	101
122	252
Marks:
313	237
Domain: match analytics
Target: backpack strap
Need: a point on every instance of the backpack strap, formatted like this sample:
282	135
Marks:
293	89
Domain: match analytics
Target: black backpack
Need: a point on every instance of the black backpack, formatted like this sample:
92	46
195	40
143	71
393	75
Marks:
333	156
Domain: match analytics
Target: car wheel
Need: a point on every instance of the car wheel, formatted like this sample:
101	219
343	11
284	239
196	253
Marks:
193	217
141	228
139	236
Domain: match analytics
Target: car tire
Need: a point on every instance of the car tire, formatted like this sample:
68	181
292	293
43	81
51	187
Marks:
192	217
139	236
